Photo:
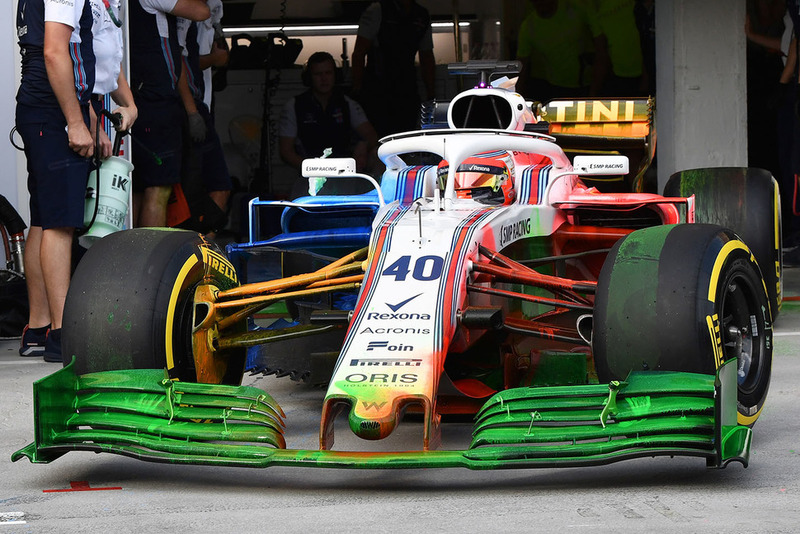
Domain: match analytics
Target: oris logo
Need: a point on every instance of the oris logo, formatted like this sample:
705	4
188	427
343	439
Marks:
382	378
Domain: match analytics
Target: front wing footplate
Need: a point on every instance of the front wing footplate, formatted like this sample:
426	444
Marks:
143	414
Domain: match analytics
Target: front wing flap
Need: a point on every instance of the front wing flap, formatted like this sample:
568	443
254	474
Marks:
142	414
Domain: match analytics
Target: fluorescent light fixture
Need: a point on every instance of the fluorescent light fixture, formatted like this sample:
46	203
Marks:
448	24
342	28
289	29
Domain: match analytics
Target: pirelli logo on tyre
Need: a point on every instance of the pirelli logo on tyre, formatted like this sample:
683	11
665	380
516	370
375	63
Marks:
220	263
716	339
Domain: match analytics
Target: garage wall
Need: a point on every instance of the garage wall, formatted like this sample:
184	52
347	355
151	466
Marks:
701	86
12	182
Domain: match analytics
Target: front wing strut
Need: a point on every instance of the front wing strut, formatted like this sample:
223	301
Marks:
141	414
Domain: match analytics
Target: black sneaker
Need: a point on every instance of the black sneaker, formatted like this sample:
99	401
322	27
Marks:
52	351
33	341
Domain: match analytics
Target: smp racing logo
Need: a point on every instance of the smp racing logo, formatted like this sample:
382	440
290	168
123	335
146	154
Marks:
512	232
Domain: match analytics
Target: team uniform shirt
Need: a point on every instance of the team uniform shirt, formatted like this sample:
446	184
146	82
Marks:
555	45
396	37
187	39
57	174
155	67
155	52
370	24
207	32
325	126
35	90
107	43
616	20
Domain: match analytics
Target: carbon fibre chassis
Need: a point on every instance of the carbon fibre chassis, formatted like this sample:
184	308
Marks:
143	415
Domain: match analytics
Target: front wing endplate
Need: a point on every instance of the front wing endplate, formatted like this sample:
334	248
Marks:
143	414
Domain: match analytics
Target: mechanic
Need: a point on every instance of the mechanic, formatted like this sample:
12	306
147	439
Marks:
324	117
109	77
205	180
789	140
390	34
155	69
555	43
620	48
58	70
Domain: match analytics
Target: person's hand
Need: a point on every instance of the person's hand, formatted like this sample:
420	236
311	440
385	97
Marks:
104	144
129	115
197	127
218	55
80	140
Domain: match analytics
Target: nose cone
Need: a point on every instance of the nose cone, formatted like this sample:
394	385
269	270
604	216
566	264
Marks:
371	421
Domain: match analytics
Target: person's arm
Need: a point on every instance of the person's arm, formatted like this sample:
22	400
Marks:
59	67
99	134
791	59
195	10
427	66
287	136
359	59
288	153
368	27
770	43
217	58
370	138
197	125
123	96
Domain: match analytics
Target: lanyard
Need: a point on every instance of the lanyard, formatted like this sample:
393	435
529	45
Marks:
110	11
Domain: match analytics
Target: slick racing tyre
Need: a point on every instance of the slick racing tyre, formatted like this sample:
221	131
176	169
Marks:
130	303
747	201
684	297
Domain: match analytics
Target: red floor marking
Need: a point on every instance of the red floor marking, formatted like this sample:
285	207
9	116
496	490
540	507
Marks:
791	298
80	486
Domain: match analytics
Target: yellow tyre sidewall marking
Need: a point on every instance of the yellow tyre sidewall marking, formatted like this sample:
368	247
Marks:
713	322
777	214
173	301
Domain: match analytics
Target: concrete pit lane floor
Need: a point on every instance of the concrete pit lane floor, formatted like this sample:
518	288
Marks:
83	492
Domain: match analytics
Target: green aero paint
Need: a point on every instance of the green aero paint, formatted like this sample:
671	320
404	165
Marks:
141	414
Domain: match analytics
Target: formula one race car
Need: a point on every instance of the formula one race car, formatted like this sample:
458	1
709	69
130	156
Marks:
500	279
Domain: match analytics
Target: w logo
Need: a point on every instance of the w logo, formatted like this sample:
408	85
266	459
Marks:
372	405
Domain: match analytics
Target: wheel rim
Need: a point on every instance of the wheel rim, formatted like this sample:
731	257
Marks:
741	338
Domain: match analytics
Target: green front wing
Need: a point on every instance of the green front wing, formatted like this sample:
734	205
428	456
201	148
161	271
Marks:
144	415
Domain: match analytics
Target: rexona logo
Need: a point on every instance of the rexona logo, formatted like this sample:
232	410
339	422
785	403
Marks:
408	330
375	316
373	345
388	362
512	232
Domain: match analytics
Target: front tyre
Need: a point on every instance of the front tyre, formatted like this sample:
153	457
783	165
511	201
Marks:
130	303
687	298
747	201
